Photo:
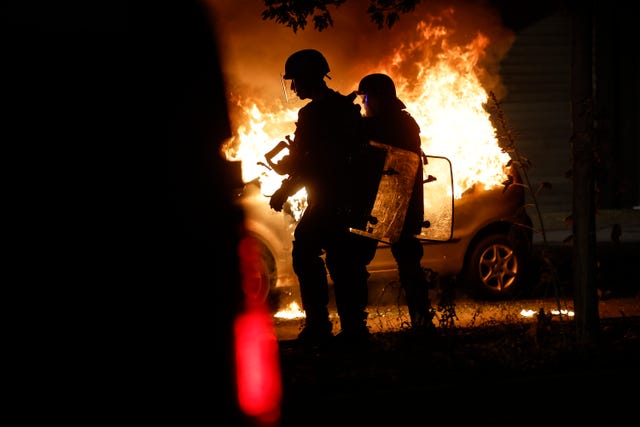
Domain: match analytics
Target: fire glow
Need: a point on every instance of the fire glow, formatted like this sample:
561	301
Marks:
292	311
532	313
445	96
438	79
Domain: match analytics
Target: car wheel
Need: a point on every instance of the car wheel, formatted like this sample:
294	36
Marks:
259	279
495	267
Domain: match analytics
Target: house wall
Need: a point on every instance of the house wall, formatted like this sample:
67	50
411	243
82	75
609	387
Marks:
536	73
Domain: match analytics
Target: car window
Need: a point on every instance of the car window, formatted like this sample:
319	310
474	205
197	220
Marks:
438	199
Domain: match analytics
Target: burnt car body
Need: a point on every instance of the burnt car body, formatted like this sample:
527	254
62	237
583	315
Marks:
487	249
490	247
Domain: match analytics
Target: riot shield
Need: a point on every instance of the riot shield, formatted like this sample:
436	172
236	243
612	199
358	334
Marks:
395	185
386	218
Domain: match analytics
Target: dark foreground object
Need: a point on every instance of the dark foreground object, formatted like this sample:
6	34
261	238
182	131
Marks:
507	374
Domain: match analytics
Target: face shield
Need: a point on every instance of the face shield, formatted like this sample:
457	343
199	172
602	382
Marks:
301	87
288	92
366	105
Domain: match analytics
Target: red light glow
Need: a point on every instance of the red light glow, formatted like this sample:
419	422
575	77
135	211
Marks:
258	366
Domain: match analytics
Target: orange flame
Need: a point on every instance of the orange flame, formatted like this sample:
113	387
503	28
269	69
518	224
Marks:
447	99
443	93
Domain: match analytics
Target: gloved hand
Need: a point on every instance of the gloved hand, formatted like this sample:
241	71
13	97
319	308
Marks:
283	167
277	199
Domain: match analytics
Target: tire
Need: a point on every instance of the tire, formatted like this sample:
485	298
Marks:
495	267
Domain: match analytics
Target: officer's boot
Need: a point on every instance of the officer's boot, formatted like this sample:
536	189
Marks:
318	327
419	305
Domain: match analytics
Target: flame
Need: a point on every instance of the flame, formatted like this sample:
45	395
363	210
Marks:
532	313
259	129
250	143
447	99
443	92
292	311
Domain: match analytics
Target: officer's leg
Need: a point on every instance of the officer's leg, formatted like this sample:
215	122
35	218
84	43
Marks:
408	253
347	260
312	274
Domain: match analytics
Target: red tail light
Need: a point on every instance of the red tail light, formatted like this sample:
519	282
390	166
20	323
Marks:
257	355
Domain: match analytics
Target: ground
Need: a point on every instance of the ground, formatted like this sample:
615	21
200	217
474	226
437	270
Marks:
524	373
486	363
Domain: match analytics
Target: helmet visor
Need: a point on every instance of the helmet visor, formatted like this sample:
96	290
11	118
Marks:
288	93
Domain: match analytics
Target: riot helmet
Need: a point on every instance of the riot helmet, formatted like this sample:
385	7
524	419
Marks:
305	64
380	86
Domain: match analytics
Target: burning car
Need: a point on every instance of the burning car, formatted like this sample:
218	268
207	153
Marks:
489	249
483	238
479	230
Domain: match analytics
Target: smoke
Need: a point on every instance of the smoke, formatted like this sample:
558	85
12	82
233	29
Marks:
254	51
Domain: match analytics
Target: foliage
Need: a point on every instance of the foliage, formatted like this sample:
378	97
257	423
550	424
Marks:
296	13
506	140
387	12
